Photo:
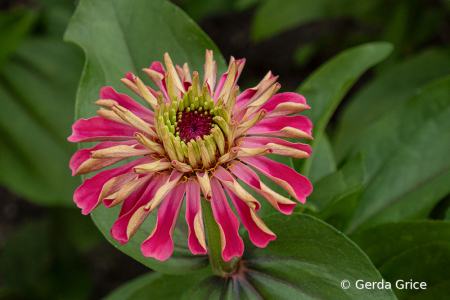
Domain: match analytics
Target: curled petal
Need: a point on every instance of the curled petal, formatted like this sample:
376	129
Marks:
285	104
228	181
113	186
249	177
205	185
259	233
278	146
250	95
127	102
120	151
86	196
171	182
160	244
232	244
155	166
210	76
126	190
288	127
82	163
194	219
99	129
229	79
296	185
121	230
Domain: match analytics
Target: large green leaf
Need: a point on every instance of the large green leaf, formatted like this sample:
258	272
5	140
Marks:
308	260
407	163
411	250
386	92
120	37
157	286
326	87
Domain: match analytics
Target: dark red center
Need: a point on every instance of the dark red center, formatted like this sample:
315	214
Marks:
194	124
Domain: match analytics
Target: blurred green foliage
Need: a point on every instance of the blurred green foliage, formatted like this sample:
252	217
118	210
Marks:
380	168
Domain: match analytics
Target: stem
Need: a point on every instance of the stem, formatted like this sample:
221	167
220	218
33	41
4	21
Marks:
219	266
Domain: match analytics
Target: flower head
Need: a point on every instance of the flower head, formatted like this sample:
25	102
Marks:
197	139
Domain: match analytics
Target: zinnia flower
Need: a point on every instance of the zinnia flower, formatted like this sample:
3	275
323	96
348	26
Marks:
197	139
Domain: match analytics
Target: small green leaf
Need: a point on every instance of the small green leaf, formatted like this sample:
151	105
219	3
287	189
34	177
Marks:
308	260
385	93
120	37
326	87
407	163
417	251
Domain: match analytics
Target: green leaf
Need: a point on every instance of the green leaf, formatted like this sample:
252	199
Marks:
181	261
326	87
407	163
157	286
410	250
386	92
37	88
323	162
308	260
275	16
335	197
120	37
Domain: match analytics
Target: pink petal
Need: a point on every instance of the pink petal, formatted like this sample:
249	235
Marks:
160	244
232	243
158	67
295	184
249	177
194	208
99	129
128	103
84	154
257	141
86	196
290	127
287	97
223	78
256	233
248	94
130	205
130	76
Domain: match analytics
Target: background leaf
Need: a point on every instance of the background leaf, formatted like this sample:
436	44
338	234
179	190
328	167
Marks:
275	16
406	159
119	38
326	87
411	250
335	197
34	125
386	92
